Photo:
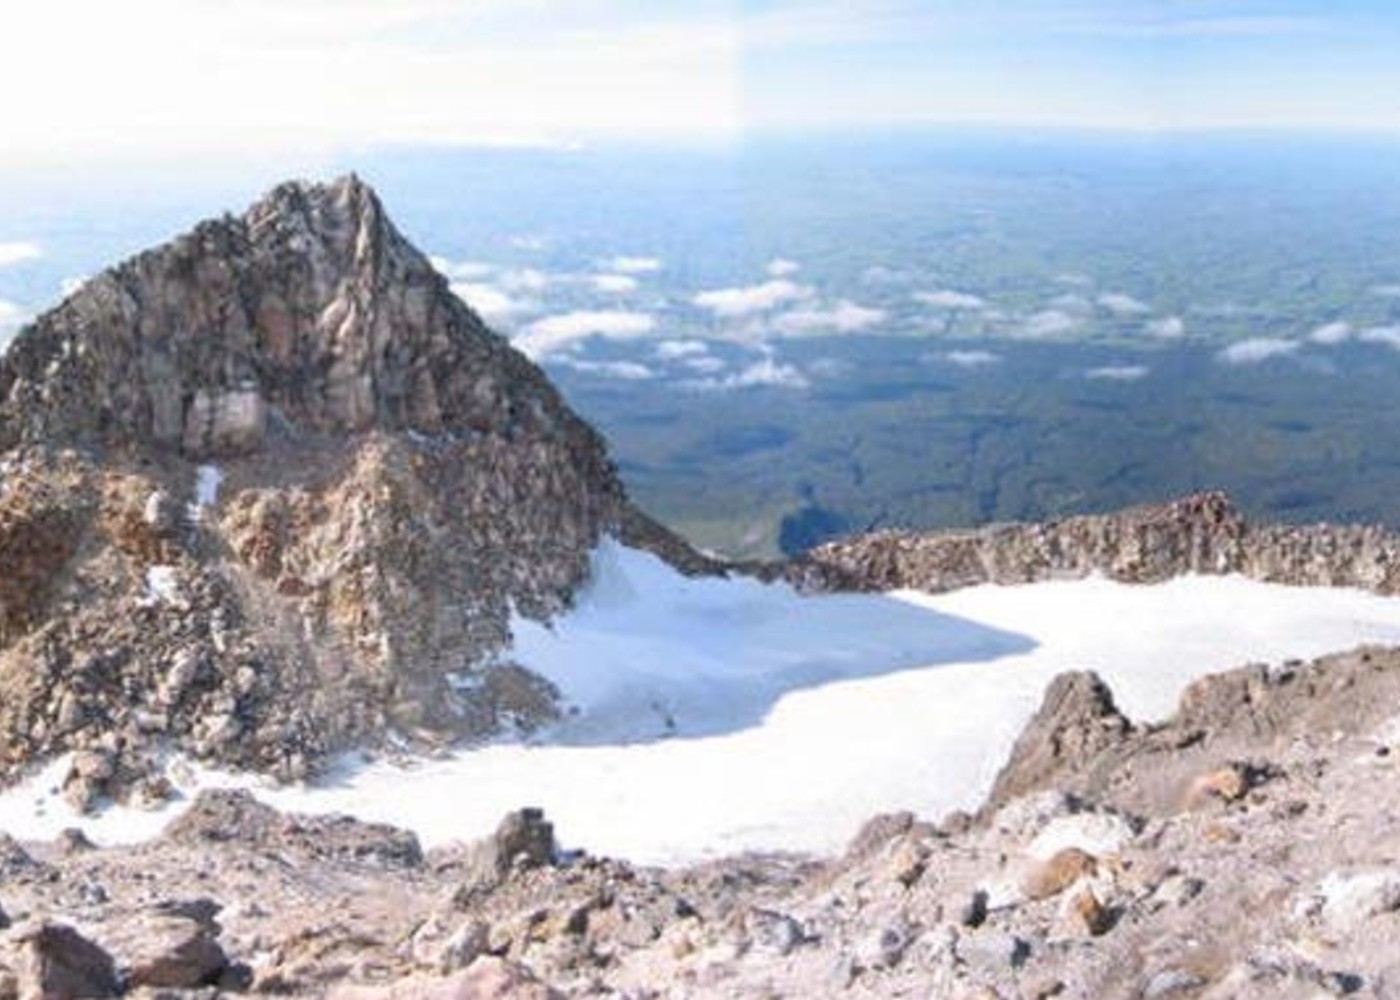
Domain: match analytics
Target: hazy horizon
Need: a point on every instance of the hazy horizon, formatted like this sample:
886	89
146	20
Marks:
158	79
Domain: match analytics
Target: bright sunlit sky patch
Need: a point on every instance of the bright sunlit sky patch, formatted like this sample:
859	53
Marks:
97	76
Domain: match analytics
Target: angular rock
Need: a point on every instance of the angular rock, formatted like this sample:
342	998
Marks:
224	815
992	952
1077	721
1053	875
772	932
524	839
1087	914
59	963
1177	891
163	951
464	946
883	947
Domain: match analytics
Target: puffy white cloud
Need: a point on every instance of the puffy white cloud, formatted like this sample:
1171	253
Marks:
1331	333
971	359
948	298
18	252
750	299
1072	302
1050	323
880	274
552	334
828	368
465	270
1167	328
619	284
842	316
766	372
523	279
1387	335
705	364
1257	349
633	265
781	267
1118	373
490	303
630	371
673	350
1121	304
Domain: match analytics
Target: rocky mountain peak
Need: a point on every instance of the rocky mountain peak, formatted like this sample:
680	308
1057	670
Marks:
270	490
308	314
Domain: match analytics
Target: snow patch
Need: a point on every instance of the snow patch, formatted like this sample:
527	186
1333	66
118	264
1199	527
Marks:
207	483
714	716
208	479
648	652
1100	834
162	586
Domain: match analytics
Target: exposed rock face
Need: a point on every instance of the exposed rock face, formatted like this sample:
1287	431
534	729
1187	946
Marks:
1077	722
269	489
1198	534
308	313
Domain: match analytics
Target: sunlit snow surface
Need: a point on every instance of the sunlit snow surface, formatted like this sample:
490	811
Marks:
716	716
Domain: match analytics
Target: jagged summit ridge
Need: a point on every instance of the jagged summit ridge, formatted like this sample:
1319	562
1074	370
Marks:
309	313
385	482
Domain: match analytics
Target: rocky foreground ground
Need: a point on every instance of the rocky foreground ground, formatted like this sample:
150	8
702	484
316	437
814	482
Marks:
1249	847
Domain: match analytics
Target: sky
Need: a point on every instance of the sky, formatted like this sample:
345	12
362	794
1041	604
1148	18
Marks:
95	78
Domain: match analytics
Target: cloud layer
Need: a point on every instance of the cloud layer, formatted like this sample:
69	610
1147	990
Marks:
971	359
1257	349
1118	373
552	334
948	298
1331	333
1167	328
842	316
767	372
18	252
633	265
747	300
1049	324
490	303
1123	305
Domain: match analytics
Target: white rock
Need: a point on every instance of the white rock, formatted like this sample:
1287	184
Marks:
1349	898
991	952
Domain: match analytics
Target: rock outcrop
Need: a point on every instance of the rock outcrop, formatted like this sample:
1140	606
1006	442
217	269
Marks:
1204	533
1076	724
272	489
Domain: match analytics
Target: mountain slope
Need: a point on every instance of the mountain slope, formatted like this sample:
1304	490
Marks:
271	490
